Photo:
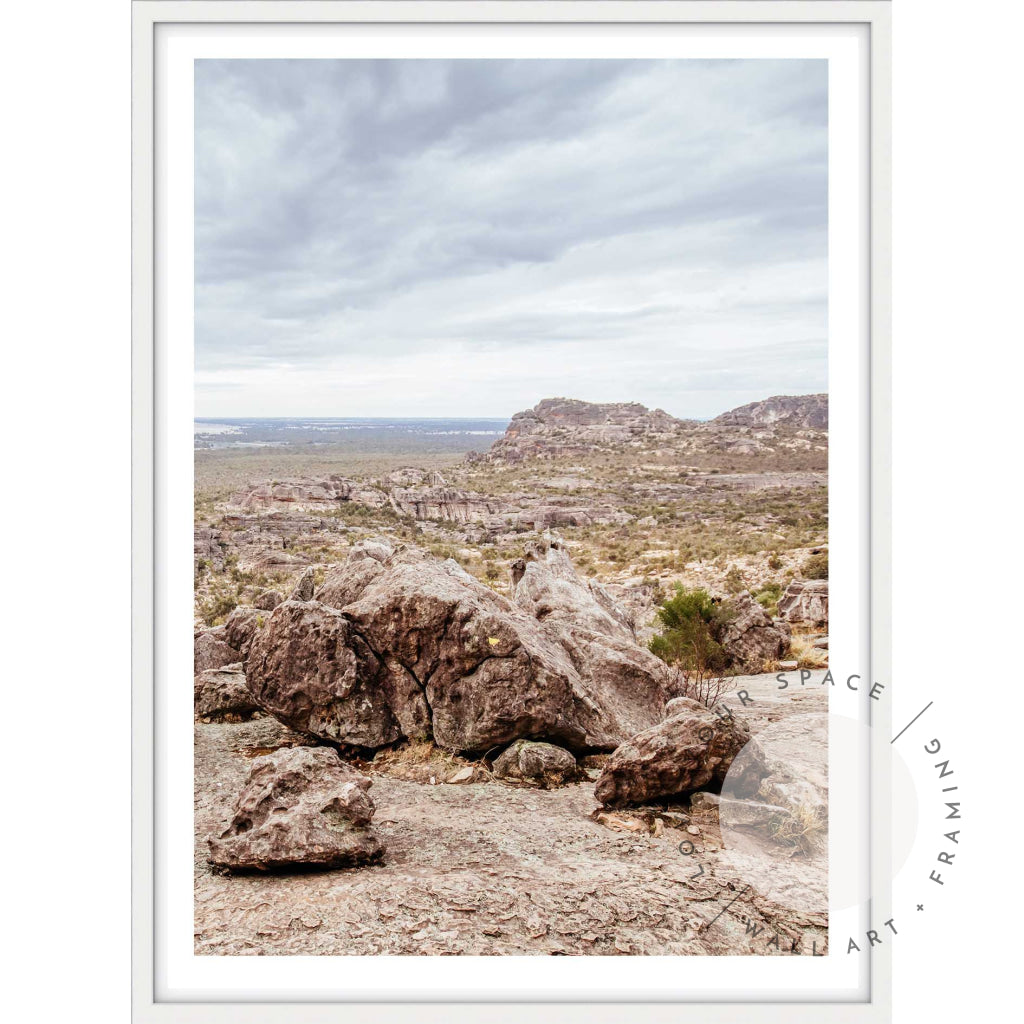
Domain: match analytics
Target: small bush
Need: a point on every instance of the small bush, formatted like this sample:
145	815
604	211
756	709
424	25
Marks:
217	607
815	567
690	639
768	598
734	581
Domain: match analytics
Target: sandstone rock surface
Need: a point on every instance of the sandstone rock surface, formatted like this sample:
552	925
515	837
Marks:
241	627
690	751
221	695
805	602
211	650
268	600
398	644
752	640
542	764
301	807
797	411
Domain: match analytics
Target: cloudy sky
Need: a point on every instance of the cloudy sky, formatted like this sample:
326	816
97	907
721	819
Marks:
443	238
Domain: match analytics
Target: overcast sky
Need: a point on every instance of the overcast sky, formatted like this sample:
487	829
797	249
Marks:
444	238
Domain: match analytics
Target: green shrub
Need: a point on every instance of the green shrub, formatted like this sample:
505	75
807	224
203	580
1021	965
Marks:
217	607
768	598
690	639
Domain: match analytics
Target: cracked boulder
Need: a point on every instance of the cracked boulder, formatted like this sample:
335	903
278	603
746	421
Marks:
301	807
692	750
805	602
241	627
399	644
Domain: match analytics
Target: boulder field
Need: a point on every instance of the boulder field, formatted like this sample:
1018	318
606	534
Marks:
396	644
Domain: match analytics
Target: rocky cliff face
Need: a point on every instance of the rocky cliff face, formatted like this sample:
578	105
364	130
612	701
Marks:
800	412
560	426
565	426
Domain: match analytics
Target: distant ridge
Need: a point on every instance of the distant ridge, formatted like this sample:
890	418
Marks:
567	426
802	412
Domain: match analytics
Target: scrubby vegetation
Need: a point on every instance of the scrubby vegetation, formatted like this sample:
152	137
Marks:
815	566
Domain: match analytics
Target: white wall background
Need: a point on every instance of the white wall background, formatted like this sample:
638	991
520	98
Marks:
65	390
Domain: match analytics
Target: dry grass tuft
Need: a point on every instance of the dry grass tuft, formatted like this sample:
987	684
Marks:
807	656
805	828
419	761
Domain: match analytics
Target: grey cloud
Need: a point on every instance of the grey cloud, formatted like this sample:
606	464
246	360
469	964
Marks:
366	209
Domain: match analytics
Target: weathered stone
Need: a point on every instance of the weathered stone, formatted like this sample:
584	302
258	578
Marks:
542	764
241	627
690	751
268	600
304	588
795	411
301	807
805	602
211	650
751	640
560	426
549	588
419	648
311	669
677	706
221	694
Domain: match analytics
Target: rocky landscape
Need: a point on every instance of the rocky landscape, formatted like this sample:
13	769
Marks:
448	710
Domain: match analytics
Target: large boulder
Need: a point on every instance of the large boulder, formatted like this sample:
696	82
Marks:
752	640
211	650
805	602
241	627
692	750
311	669
549	588
221	695
398	644
300	807
538	764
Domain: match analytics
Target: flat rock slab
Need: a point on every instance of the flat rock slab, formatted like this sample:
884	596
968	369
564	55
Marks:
483	870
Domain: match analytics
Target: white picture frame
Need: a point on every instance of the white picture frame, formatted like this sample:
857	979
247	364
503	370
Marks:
150	18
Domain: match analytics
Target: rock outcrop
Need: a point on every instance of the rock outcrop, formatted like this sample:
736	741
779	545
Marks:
800	412
538	764
241	627
267	601
559	426
399	644
301	807
212	650
689	751
549	588
303	590
752	640
221	695
805	602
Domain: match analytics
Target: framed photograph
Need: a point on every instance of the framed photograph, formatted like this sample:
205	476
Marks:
511	417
